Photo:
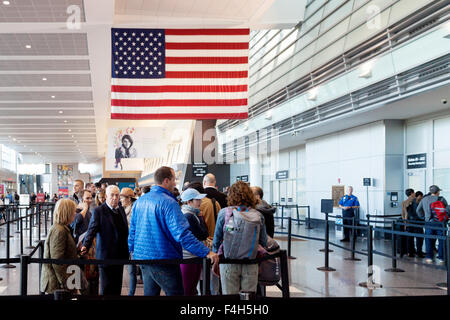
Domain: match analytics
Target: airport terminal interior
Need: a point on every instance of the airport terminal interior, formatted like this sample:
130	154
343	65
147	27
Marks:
336	109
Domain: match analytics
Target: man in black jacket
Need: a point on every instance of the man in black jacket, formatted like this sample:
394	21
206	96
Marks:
209	184
109	225
266	210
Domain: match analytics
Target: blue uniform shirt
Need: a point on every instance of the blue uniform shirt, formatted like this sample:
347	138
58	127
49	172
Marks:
349	201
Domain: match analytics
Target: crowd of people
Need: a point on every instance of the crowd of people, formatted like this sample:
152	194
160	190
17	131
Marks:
159	222
419	212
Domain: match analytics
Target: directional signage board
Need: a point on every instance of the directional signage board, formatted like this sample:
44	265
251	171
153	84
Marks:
416	161
280	175
199	169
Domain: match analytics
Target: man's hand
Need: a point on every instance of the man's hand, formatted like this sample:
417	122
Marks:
213	257
83	250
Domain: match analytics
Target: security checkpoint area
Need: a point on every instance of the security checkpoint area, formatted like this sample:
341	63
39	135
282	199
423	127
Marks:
221	159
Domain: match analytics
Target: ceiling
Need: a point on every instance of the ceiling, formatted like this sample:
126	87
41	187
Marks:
55	75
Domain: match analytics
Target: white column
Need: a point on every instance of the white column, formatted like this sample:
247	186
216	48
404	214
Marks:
255	177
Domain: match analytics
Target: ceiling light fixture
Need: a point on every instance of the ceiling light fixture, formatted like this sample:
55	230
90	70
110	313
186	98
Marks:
44	79
60	111
65	121
6	3
312	94
69	130
53	97
365	71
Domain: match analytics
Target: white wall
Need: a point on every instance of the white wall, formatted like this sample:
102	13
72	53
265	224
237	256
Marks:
430	135
350	156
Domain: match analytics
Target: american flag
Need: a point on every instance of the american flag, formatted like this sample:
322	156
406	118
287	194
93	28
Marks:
179	73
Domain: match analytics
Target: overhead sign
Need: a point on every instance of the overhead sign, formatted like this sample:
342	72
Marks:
416	161
282	174
199	169
244	178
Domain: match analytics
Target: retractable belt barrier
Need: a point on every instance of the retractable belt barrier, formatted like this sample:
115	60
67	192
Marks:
370	251
16	211
25	260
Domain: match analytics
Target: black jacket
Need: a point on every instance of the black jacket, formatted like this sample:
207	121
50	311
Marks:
268	212
102	227
220	197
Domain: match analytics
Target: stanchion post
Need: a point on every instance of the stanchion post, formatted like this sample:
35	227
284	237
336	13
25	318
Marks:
45	220
39	224
309	219
24	261
447	241
41	256
290	238
284	274
327	240
371	284
206	277
298	216
282	217
394	252
21	236
31	233
8	242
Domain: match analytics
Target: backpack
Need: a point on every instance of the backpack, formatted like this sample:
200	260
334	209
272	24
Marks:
269	273
241	234
439	211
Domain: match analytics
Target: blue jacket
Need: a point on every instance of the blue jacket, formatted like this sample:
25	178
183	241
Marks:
159	230
102	227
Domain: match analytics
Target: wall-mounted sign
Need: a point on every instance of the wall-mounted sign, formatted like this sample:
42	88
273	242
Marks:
244	178
282	174
199	169
416	161
337	192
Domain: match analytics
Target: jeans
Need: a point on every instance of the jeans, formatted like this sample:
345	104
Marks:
157	277
238	277
429	243
132	272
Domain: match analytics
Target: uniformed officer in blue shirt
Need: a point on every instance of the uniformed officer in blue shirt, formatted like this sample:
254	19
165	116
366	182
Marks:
348	204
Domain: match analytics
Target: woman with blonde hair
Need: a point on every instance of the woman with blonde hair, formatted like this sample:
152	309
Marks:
60	245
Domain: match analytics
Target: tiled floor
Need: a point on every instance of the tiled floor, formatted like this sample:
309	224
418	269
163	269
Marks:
305	279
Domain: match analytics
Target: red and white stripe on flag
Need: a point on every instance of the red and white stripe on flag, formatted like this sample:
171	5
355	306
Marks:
206	77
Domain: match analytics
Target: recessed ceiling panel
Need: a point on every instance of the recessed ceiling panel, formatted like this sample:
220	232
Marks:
45	80
46	96
47	105
41	10
47	65
47	44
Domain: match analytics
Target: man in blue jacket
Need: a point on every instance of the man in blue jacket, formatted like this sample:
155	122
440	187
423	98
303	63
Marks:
159	230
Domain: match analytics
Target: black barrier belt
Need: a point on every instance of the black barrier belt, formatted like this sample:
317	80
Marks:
153	262
385	216
347	249
9	261
413	262
404	233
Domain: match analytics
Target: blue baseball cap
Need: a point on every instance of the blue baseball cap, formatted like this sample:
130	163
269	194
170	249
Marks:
191	194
